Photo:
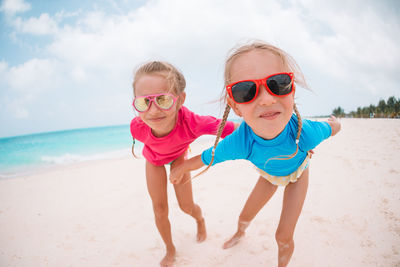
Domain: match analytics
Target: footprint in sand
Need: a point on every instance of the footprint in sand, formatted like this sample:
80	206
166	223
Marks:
367	243
78	228
183	261
319	219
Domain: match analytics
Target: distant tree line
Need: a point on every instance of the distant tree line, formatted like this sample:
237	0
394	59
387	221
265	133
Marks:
384	109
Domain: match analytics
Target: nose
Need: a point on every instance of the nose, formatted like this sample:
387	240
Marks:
264	97
153	107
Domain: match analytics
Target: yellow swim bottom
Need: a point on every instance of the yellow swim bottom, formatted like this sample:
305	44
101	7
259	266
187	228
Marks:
285	180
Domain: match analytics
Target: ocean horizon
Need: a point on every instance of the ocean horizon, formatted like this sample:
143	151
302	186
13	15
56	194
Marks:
26	154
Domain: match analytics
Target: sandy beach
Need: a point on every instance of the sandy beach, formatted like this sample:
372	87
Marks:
99	213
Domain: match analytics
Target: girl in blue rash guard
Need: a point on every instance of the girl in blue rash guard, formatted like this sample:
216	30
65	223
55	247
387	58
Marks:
260	84
245	144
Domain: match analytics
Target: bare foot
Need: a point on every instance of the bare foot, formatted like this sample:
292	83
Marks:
242	226
201	230
169	259
234	240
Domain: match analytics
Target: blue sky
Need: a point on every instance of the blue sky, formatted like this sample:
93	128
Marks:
69	64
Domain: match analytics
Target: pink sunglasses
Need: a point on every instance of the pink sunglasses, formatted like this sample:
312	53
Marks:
164	101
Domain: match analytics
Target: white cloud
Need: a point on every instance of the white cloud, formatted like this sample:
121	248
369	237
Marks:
78	74
11	7
3	74
42	25
17	108
59	16
361	48
327	37
33	76
341	45
26	84
3	67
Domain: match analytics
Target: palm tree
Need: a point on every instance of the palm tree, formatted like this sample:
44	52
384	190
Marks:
381	108
384	109
391	102
372	111
338	112
358	112
397	108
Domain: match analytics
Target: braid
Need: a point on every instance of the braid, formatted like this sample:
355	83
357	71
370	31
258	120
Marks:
299	126
133	148
299	123
219	133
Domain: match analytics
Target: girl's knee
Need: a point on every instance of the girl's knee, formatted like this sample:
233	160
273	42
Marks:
187	208
160	210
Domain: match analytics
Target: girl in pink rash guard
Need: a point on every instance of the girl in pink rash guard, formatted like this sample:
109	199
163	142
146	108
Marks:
166	128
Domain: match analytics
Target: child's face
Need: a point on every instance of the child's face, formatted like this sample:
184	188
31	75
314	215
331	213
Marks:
160	121
267	115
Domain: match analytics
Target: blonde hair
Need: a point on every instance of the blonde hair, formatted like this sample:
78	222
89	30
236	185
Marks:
174	77
289	64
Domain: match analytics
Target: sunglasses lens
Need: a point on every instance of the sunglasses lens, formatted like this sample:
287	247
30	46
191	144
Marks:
164	101
244	91
141	104
280	84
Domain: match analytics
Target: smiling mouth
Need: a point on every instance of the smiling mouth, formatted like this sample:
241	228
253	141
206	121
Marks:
156	119
270	115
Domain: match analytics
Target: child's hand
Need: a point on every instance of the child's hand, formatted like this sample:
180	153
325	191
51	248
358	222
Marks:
176	174
178	170
335	125
310	153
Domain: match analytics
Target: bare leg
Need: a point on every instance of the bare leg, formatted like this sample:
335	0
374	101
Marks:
184	195
156	177
260	195
293	200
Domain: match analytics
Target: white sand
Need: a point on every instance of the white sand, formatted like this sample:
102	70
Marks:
99	213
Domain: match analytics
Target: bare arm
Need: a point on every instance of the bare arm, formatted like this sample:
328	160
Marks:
178	171
335	125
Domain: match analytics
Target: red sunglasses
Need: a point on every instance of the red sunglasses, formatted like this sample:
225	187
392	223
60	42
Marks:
279	84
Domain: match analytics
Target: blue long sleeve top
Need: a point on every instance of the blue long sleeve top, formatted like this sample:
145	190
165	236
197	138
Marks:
243	143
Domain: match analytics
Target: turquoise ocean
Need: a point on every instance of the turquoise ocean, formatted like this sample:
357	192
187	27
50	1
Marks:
20	155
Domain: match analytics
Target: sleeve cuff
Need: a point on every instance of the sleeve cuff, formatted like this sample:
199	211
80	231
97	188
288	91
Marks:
206	156
328	127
